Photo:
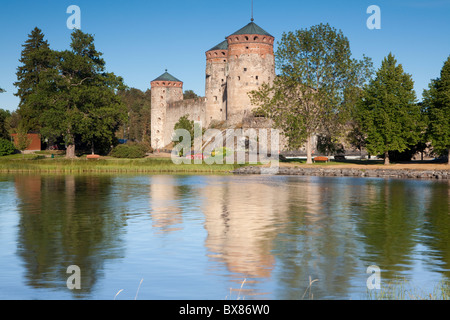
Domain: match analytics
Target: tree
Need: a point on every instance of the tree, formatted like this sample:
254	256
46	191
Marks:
13	121
189	94
191	126
185	123
36	59
317	83
80	97
22	140
388	112
6	147
437	103
5	115
138	103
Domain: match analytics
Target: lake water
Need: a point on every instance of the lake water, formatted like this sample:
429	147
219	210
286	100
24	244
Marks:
219	237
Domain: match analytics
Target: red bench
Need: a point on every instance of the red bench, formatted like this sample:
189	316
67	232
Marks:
320	159
92	157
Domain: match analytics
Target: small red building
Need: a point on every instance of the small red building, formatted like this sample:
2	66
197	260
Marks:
35	144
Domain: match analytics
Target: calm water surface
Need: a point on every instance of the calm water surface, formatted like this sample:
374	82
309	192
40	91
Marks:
200	236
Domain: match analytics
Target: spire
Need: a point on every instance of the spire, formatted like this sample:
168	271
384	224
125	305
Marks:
252	13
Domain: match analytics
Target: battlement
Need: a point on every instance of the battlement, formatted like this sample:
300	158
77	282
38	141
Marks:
186	103
250	38
217	55
168	84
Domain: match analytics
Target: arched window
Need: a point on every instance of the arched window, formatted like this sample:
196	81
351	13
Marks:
255	38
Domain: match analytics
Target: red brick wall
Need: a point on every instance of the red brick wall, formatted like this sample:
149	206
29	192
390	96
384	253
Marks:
35	144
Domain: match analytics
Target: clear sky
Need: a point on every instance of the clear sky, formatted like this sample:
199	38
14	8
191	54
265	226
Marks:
141	38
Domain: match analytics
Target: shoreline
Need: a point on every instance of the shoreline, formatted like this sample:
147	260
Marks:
163	165
354	171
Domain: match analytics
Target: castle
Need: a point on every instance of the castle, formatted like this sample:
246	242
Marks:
234	67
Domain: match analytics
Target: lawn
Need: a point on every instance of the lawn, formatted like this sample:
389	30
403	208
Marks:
41	163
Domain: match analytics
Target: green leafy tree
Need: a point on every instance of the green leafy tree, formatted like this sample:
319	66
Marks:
36	59
437	103
388	112
13	121
6	147
5	115
189	94
185	123
191	126
22	140
137	127
81	97
317	83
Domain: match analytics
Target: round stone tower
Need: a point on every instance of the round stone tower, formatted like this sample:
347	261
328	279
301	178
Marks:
215	83
250	63
165	89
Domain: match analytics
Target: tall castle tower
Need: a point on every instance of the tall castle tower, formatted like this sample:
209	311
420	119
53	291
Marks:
165	89
250	63
235	67
215	83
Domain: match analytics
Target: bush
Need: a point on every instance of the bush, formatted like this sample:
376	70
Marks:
128	151
144	146
6	147
221	151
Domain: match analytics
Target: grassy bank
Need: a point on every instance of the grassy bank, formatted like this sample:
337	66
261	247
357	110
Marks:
401	289
42	162
147	165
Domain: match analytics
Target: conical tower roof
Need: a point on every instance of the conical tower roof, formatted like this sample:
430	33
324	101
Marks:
252	28
221	46
167	77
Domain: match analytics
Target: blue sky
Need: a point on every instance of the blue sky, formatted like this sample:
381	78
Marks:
140	38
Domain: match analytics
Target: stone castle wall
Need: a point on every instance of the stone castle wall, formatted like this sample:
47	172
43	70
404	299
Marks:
193	108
